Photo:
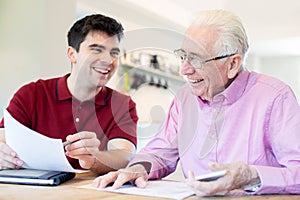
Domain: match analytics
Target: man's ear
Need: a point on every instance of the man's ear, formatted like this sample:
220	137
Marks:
234	66
71	52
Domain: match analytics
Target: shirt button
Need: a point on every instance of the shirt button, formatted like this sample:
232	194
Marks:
77	119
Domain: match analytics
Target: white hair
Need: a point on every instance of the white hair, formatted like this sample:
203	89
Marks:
232	34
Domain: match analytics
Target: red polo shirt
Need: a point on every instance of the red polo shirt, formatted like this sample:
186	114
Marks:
48	107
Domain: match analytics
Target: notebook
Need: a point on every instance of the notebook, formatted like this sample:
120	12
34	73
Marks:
34	177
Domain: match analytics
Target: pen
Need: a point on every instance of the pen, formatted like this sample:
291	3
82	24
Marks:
67	143
211	176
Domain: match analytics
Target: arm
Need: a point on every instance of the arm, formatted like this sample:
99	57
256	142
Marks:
121	135
160	156
84	147
121	150
158	163
156	160
283	135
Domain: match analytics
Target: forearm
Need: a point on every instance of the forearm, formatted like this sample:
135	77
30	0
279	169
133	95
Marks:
111	160
156	166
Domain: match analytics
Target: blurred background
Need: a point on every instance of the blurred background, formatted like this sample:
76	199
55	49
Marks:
33	40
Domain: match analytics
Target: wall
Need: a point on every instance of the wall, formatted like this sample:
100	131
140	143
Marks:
32	42
286	68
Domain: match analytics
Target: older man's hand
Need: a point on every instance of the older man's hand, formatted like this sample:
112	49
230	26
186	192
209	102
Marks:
135	174
238	176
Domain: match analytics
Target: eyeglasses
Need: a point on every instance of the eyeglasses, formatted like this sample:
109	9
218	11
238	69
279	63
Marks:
194	59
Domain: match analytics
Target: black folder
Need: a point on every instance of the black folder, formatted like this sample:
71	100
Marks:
34	177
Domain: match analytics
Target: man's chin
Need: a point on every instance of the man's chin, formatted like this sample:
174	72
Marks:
197	93
202	96
101	84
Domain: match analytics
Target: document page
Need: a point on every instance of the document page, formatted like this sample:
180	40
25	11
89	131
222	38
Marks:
162	189
36	150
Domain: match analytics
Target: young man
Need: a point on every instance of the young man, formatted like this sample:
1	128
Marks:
99	122
225	117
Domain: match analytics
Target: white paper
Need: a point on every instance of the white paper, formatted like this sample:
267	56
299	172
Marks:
163	189
36	150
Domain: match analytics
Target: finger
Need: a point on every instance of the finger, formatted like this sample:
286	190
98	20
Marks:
122	179
191	179
191	176
80	136
217	166
85	143
7	150
8	158
6	165
87	162
205	188
141	182
9	162
92	143
100	183
221	193
77	154
103	181
75	137
83	151
96	182
75	145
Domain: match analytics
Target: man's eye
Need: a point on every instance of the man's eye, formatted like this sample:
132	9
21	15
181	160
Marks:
97	50
193	57
182	57
115	54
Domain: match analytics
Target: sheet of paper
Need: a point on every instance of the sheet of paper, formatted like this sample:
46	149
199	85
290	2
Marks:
36	150
162	189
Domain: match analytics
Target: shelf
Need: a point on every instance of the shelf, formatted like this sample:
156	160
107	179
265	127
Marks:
155	72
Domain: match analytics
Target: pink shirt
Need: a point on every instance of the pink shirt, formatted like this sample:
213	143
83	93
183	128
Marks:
256	120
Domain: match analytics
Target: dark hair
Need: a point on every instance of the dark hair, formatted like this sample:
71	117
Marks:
96	22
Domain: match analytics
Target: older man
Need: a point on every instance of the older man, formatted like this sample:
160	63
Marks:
225	117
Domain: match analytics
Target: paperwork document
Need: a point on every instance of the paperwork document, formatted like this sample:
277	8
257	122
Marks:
162	189
36	150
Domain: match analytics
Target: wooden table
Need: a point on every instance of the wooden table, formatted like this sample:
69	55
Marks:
70	191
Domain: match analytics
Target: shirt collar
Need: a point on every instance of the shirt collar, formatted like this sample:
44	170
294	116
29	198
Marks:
63	93
236	89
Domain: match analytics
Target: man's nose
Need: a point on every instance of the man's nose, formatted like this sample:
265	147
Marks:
186	67
106	58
